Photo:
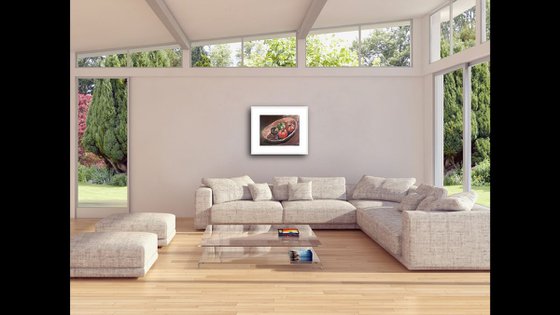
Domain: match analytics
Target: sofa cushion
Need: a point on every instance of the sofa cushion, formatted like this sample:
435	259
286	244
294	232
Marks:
425	204
411	201
392	189
319	211
361	204
112	249
260	192
327	187
463	201
163	224
246	211
429	190
228	189
384	225
300	191
280	186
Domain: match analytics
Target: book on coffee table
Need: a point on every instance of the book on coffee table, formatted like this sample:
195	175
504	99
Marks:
301	256
288	232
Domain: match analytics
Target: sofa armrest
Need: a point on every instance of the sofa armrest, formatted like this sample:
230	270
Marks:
202	205
446	240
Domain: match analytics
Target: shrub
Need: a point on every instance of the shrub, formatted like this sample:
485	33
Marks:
453	177
118	180
94	175
481	173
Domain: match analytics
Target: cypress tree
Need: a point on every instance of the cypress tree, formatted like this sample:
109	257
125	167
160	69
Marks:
105	134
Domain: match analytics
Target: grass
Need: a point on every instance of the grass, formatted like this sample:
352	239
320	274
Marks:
482	191
93	195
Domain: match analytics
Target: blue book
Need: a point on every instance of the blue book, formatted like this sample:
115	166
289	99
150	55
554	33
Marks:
301	256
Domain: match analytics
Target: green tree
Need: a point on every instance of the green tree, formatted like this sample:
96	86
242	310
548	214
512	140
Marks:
105	134
199	57
453	120
221	56
328	52
386	47
275	52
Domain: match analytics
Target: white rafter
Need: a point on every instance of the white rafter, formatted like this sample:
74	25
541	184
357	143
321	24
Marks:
166	17
310	17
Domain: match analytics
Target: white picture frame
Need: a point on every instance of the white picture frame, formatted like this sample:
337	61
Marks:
294	143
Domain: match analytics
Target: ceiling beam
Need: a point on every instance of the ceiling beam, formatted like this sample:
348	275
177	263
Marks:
166	17
310	17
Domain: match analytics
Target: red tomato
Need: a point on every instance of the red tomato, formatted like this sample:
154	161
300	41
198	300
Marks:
283	134
291	128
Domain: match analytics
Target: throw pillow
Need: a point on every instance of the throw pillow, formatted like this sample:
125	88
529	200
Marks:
229	189
260	192
425	204
380	188
411	201
300	191
326	187
463	201
244	181
430	190
280	186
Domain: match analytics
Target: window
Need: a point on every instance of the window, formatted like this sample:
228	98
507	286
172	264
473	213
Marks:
450	36
102	143
163	58
480	131
270	52
220	55
158	58
107	61
463	151
464	24
257	52
440	34
377	45
385	45
333	49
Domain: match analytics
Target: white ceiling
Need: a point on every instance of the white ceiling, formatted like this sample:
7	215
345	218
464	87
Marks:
108	24
346	12
211	19
112	24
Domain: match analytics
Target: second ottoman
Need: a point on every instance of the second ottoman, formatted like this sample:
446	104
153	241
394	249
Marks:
162	224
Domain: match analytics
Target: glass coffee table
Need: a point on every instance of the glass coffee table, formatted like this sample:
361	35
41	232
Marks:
257	245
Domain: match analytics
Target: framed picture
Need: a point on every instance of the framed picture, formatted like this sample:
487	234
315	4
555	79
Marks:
279	130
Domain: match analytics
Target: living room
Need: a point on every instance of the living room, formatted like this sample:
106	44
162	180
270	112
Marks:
180	109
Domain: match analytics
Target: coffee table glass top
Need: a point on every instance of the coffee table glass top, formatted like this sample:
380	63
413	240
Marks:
219	235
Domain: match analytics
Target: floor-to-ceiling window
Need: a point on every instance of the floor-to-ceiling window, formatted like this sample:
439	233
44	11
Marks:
463	127
102	143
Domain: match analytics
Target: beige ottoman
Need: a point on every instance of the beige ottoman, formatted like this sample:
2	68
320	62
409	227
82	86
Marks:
162	224
112	254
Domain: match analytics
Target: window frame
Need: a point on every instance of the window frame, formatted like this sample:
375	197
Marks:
88	212
410	22
438	136
480	28
242	40
128	52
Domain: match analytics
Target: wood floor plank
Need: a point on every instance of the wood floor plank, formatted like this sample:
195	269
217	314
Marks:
359	277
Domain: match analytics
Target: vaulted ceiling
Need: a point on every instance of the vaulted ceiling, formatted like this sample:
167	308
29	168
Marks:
97	25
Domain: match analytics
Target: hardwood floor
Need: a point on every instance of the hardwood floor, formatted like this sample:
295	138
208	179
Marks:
359	277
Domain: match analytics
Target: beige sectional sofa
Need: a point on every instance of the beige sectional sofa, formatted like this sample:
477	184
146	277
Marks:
420	240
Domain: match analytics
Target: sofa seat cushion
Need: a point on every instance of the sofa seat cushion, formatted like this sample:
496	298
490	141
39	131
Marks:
246	211
113	250
162	224
319	211
383	225
362	204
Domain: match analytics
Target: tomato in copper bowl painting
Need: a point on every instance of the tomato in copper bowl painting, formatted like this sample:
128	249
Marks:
279	130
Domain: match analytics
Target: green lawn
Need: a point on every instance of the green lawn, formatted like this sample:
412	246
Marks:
93	195
482	191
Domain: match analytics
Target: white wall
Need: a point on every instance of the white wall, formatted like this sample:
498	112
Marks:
186	128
